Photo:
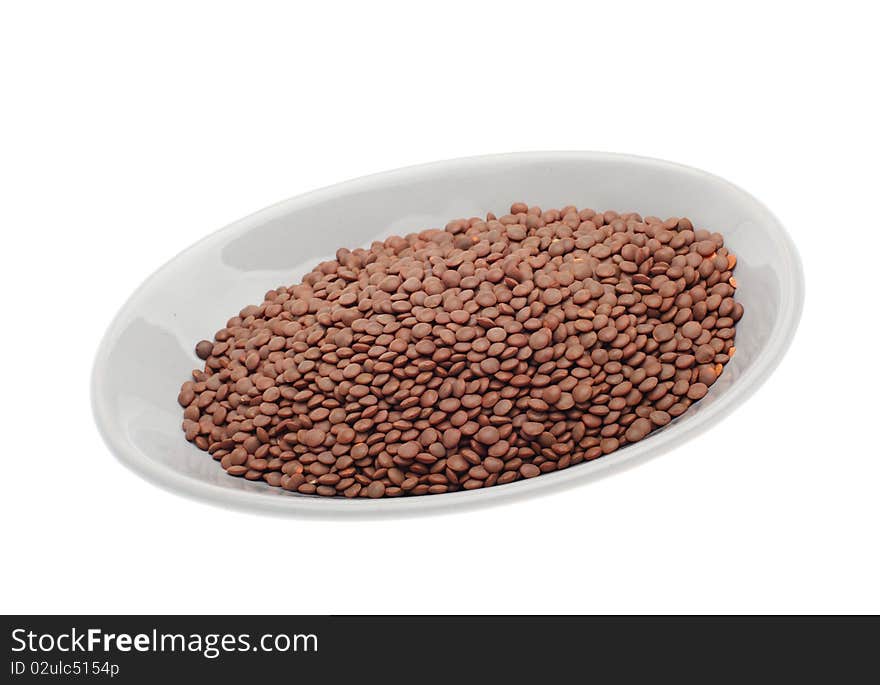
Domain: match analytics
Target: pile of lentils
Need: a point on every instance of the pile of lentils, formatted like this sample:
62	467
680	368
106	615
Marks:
490	351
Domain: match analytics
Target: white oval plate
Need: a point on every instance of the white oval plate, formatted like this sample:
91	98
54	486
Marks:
148	350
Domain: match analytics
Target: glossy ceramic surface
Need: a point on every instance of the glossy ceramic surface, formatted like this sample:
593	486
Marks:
148	350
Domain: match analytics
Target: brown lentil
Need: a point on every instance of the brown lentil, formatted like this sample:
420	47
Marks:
490	351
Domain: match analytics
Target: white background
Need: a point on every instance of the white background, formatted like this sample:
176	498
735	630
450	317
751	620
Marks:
131	130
